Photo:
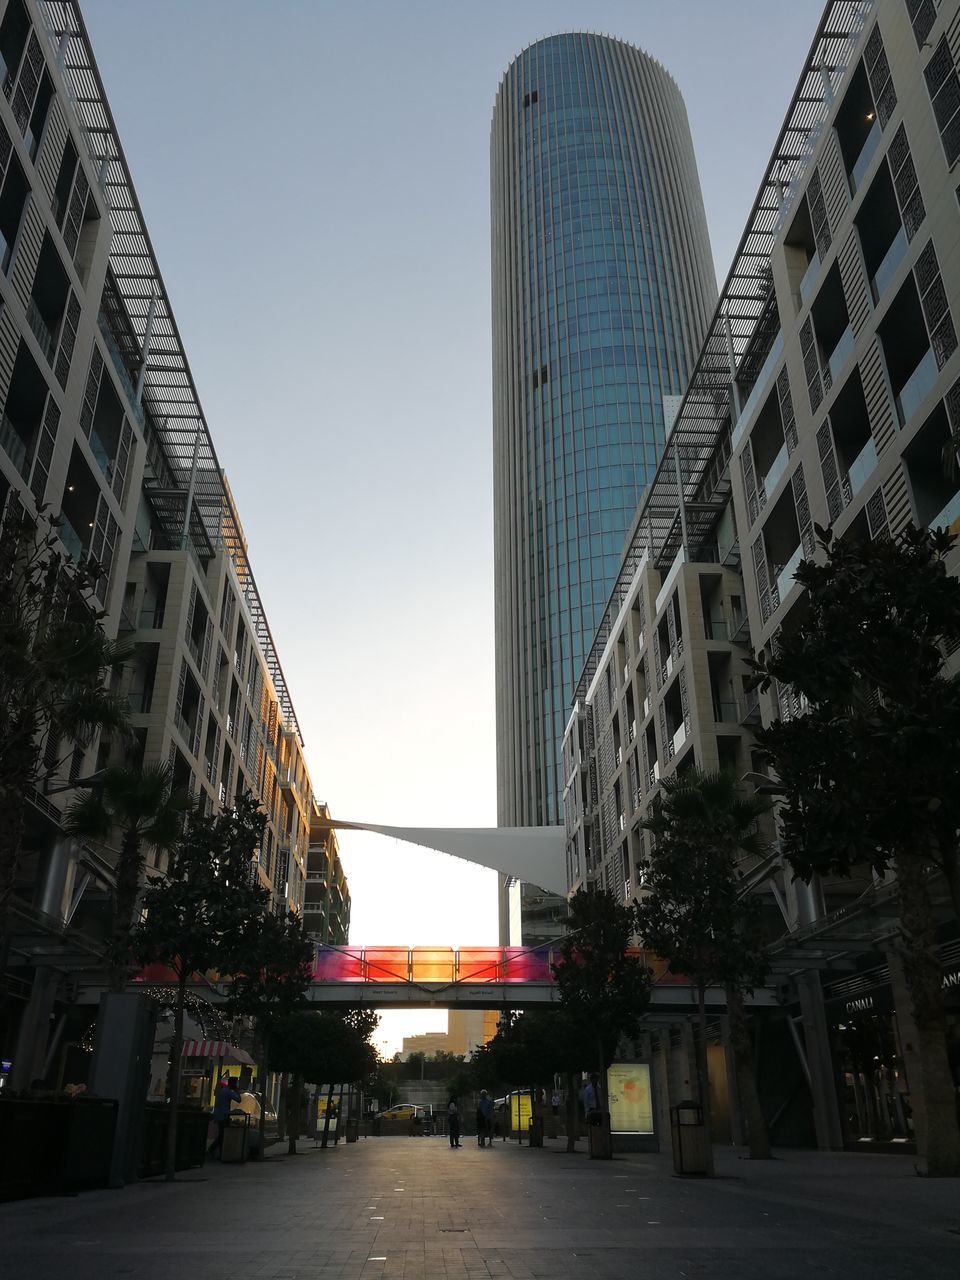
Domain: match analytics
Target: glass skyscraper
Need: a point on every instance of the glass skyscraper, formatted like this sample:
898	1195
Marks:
603	286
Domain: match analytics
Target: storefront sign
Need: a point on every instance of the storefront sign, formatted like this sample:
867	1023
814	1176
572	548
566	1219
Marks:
631	1104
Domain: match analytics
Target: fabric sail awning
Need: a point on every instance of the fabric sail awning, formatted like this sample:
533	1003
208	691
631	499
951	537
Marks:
216	1049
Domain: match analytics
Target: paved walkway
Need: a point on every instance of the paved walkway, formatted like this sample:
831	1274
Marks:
405	1208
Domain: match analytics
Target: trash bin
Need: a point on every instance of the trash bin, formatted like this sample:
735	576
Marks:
535	1131
599	1142
689	1138
234	1148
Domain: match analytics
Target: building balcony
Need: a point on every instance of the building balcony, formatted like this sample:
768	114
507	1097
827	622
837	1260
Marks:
13	445
101	455
726	713
73	544
110	342
759	389
840	354
677	741
41	331
949	514
151	618
867	152
917	387
861	469
785	578
777	468
809	278
888	267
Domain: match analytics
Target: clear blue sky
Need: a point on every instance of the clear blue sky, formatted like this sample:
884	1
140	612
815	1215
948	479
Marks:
314	176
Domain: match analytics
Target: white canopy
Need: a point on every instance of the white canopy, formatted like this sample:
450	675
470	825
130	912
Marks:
534	854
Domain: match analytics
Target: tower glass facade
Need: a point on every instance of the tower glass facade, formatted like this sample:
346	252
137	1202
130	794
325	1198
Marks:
603	285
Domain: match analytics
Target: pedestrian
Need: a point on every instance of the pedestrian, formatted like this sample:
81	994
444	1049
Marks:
485	1119
227	1095
555	1102
453	1122
591	1100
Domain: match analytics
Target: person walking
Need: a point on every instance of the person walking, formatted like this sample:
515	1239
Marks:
591	1100
227	1095
453	1122
485	1119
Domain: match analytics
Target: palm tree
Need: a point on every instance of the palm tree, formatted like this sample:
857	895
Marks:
147	810
696	914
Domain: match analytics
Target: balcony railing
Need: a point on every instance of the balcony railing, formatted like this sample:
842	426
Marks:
948	515
715	626
917	387
862	468
70	538
13	445
101	454
785	576
809	276
151	618
841	353
123	374
867	152
41	330
726	713
678	739
887	268
777	468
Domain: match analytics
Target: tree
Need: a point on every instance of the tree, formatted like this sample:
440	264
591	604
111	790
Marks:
196	914
271	970
321	1048
695	915
603	987
56	664
870	774
146	809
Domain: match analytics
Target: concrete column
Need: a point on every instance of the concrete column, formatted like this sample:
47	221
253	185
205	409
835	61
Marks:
826	1112
31	1046
907	1029
122	1054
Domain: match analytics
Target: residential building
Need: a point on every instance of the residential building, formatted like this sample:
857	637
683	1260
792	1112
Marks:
101	421
603	283
825	392
429	1043
326	908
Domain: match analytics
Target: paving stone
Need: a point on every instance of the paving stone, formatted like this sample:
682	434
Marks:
508	1212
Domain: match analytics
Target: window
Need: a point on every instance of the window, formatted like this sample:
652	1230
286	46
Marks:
14	30
922	15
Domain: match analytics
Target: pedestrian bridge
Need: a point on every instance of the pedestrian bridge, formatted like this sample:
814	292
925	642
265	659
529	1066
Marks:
472	978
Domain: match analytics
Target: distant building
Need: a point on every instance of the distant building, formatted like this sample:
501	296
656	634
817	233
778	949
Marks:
603	284
428	1043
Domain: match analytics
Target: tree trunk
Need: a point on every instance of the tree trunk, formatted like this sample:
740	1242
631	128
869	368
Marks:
326	1119
924	978
703	1078
173	1081
571	1111
293	1113
263	1091
124	905
601	1077
758	1137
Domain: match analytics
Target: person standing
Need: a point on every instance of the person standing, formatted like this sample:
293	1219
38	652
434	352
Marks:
453	1122
591	1100
227	1095
485	1119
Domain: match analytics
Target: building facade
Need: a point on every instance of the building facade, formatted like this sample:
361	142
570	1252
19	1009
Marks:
326	908
101	422
824	394
603	285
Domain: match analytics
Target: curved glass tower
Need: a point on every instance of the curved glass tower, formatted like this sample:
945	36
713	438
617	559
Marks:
603	286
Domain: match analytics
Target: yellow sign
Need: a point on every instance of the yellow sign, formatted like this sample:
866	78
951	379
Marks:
520	1111
631	1106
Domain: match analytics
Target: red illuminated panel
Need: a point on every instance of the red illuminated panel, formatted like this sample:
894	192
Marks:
432	964
333	964
386	964
478	964
523	965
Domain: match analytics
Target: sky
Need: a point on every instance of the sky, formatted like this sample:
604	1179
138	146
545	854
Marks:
314	175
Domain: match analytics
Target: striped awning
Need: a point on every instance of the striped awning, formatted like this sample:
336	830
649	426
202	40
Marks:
215	1049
